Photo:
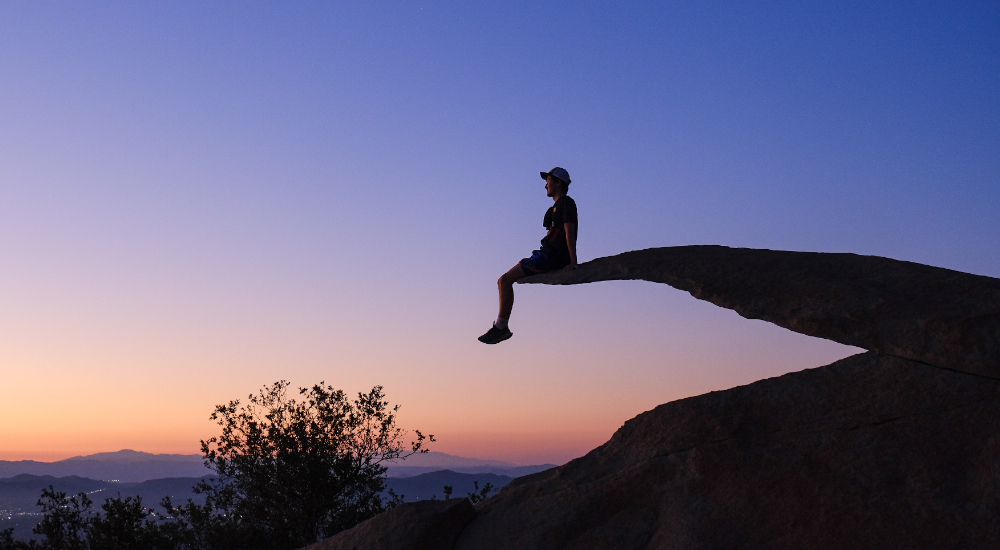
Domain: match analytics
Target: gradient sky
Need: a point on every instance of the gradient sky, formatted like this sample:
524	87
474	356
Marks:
198	199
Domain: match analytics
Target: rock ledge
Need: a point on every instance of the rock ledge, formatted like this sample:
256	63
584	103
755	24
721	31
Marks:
931	315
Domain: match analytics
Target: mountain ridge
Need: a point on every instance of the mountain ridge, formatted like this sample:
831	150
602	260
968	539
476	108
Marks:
132	466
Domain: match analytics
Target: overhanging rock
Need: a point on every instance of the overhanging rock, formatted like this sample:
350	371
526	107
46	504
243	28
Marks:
937	316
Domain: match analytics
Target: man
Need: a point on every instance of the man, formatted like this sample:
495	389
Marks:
558	250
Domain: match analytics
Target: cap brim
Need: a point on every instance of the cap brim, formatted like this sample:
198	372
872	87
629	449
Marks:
545	175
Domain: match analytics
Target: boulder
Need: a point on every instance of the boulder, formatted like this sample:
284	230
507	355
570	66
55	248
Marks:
869	452
927	314
425	525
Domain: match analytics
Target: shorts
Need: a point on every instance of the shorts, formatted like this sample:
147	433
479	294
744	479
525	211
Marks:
540	262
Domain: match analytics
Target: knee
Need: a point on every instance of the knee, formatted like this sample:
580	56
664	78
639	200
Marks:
504	280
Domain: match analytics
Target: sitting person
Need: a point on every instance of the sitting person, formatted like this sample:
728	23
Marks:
558	250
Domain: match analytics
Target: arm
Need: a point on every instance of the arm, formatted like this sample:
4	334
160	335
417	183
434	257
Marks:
570	230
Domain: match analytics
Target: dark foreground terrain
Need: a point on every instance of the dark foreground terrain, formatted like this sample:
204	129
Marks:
19	494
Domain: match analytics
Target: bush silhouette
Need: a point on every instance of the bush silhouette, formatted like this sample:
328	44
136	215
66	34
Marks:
288	473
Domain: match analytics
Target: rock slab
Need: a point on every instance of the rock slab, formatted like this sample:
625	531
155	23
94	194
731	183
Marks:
426	525
927	314
871	452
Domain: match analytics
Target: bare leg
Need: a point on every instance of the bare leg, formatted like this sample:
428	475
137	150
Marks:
506	285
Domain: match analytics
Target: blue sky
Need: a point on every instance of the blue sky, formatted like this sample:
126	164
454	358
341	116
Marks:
234	193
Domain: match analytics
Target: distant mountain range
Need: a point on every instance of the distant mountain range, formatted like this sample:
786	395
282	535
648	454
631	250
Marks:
128	466
431	485
431	462
124	466
154	476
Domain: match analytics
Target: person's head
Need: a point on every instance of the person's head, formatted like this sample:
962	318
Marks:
556	181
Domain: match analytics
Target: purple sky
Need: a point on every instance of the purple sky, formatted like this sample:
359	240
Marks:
198	200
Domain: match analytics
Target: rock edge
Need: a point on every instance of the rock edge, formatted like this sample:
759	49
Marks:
932	315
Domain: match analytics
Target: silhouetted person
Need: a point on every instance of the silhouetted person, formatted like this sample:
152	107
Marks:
558	250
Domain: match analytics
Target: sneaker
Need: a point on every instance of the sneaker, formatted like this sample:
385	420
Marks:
495	335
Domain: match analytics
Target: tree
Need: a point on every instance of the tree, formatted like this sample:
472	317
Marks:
7	539
125	525
475	496
293	472
68	523
64	521
288	474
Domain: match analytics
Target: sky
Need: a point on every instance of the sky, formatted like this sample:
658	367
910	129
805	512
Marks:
200	199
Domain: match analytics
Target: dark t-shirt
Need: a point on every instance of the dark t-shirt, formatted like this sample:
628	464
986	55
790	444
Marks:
554	243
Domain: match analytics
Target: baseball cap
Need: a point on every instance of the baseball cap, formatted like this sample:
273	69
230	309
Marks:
557	172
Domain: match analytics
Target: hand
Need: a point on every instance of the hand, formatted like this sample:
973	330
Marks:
570	267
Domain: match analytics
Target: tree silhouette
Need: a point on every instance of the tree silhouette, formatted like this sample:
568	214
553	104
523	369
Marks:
291	472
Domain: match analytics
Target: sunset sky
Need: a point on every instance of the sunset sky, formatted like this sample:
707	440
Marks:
201	198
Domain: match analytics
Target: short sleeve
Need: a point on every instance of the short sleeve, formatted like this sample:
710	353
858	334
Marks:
569	211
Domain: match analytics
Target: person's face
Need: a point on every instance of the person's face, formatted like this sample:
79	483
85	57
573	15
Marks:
552	186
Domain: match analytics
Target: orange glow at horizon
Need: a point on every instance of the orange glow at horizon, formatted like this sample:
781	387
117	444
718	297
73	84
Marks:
487	402
199	201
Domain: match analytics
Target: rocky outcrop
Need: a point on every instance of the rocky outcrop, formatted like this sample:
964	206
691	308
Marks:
927	314
426	525
869	452
898	447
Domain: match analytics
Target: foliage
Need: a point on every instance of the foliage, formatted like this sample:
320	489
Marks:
476	496
64	520
482	494
293	472
7	539
289	472
69	523
124	524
